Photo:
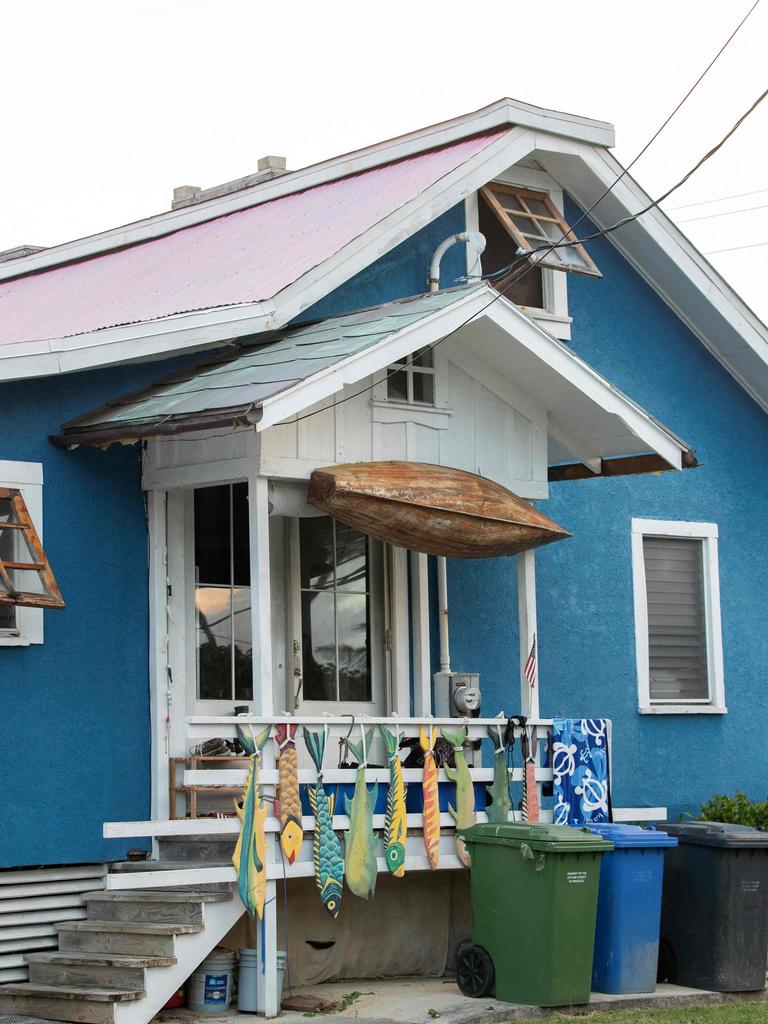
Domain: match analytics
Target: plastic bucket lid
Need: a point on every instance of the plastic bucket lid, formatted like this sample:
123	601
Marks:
540	837
623	836
718	833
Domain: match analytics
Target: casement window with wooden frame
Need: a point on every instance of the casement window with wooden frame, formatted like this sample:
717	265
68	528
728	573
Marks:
678	634
26	578
513	219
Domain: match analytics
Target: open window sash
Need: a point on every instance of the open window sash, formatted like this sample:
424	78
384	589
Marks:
533	222
26	578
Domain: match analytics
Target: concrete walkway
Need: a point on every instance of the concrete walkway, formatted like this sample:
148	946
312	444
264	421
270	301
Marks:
428	1000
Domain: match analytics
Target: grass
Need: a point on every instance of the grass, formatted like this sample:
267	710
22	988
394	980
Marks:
728	1013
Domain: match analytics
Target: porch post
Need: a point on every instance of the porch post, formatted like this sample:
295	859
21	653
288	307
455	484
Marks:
422	688
266	944
526	604
158	653
261	618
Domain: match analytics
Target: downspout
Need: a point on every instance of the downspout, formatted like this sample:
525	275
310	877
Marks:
442	603
475	242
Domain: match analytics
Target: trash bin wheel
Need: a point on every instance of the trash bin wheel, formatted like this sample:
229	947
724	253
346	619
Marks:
475	974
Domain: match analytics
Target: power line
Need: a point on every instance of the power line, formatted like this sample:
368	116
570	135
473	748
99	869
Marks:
720	199
526	257
723	213
733	249
546	249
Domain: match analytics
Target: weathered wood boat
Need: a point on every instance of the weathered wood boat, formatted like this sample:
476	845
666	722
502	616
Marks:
433	509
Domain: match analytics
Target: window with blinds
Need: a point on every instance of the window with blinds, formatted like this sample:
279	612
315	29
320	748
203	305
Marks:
677	626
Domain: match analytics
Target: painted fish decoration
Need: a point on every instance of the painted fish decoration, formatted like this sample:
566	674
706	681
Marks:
249	856
288	806
464	812
430	813
360	843
501	803
395	819
326	845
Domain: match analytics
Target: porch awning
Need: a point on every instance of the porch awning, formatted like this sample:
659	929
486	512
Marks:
284	372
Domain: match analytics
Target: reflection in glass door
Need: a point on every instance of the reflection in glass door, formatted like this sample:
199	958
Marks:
222	594
338	599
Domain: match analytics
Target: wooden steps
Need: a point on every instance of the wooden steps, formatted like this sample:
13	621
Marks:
120	965
103	970
64	1002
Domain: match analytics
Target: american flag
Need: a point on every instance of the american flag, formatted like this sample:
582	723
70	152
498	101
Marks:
530	665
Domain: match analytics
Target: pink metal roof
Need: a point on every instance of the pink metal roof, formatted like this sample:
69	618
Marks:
247	256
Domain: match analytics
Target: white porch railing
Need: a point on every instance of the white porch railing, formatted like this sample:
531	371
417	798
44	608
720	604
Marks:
202	728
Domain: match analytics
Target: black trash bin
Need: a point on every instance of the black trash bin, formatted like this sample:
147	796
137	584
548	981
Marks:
714	918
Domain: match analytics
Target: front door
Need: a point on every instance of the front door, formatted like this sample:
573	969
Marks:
338	631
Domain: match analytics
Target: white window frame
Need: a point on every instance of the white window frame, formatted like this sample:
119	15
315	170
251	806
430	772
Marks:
707	533
28	478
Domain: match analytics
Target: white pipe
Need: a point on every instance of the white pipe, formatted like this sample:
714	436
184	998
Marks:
442	602
476	242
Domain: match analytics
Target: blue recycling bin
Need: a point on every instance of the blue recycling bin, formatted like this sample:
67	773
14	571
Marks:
629	909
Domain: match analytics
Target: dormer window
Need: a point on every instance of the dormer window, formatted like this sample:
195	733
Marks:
413	383
512	218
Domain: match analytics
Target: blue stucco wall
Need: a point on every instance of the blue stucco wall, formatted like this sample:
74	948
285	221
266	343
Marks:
75	710
585	606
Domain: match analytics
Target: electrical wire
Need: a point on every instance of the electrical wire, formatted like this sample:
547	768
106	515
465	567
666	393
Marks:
736	248
719	199
685	98
526	258
646	209
723	213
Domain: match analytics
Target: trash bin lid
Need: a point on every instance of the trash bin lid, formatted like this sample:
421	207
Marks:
717	833
538	836
631	835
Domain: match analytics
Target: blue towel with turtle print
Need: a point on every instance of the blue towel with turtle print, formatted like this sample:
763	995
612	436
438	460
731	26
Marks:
580	770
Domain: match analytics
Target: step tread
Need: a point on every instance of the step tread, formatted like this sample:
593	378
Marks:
99	959
129	927
156	896
86	995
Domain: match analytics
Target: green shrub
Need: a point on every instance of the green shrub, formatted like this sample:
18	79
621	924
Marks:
738	810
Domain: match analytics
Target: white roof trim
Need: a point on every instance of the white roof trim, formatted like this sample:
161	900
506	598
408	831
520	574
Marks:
551	352
734	329
502	113
189	332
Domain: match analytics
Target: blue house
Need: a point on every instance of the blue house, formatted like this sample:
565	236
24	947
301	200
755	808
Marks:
167	390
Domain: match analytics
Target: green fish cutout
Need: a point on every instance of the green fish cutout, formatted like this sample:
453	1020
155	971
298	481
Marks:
326	845
464	812
360	843
249	857
501	803
395	819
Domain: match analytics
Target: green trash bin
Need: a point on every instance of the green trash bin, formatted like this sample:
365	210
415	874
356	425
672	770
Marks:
534	905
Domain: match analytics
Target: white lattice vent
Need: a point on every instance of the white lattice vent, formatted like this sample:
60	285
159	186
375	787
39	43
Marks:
32	902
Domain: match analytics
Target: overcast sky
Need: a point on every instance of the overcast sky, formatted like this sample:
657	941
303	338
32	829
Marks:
108	104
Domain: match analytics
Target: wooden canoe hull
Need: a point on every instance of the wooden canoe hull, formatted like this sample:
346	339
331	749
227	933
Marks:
433	509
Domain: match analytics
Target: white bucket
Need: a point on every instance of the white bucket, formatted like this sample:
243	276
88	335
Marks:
250	984
209	990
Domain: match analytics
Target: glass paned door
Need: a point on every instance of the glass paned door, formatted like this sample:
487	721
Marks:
339	640
223	661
